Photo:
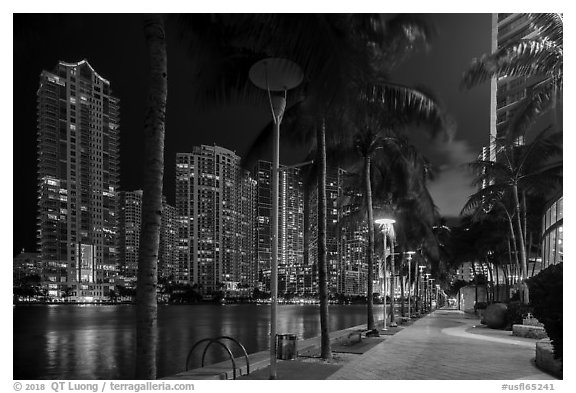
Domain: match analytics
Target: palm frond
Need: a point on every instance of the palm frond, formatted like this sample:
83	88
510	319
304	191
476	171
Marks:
540	99
485	198
524	58
543	148
550	26
489	171
544	180
407	105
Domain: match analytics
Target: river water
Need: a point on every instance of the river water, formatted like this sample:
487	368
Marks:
98	341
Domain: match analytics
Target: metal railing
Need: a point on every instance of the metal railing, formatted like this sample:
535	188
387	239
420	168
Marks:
217	340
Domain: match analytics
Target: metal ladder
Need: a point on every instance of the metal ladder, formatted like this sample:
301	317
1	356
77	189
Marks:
218	341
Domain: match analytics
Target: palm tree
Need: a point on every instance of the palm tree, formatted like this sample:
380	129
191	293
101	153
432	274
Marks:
532	168
393	108
337	52
154	126
539	58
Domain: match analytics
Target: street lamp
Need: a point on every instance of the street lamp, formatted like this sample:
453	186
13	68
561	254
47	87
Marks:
386	224
278	76
421	287
426	289
410	253
430	289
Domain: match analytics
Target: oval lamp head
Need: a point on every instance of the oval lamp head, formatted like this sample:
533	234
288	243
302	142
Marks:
276	74
385	221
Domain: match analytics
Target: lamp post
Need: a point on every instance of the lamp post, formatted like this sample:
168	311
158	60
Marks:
278	76
385	226
431	288
420	287
426	289
410	253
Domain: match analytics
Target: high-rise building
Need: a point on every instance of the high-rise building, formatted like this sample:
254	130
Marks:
130	224
507	92
354	270
334	194
247	232
290	232
354	247
78	132
263	175
168	248
290	228
210	185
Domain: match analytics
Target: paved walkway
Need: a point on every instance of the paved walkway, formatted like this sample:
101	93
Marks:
446	345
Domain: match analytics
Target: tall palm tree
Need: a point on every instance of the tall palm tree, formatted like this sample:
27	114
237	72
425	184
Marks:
338	52
539	58
534	168
154	126
387	110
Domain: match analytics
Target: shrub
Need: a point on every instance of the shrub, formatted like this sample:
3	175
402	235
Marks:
516	312
546	299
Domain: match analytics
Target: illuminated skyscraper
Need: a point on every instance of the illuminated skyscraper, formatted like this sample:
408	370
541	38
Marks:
290	228
168	248
130	224
507	92
78	131
212	209
334	194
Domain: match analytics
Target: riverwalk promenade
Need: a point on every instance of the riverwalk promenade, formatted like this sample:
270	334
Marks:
443	345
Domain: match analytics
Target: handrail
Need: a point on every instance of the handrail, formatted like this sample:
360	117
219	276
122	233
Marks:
230	355
237	343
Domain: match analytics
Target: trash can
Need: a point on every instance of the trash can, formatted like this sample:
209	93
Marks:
286	346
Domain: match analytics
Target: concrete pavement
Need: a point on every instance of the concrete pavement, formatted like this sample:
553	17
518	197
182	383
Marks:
446	345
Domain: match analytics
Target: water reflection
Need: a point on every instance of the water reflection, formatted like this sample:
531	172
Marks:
98	342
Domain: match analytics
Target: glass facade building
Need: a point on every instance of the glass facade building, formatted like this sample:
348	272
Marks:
215	239
553	233
78	170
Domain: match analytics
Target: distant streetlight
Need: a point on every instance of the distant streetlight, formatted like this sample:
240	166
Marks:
278	76
410	253
385	225
421	286
430	289
426	290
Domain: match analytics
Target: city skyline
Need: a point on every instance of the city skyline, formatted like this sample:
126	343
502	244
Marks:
233	128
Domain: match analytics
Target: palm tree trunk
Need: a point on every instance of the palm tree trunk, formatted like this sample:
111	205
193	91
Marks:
154	126
497	284
506	282
528	253
393	279
326	350
522	246
513	241
525	223
491	281
370	254
402	294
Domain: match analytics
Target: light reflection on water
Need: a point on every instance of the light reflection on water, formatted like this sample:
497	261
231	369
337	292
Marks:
98	342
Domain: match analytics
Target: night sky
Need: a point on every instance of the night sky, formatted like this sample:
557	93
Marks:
114	46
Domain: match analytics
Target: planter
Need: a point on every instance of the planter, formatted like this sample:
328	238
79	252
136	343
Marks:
545	358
